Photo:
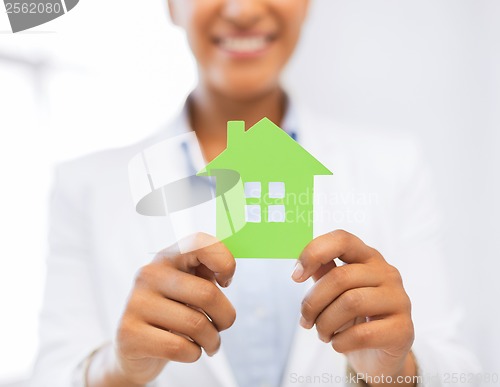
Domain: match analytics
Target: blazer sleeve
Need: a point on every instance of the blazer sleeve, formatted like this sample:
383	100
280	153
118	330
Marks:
70	327
441	355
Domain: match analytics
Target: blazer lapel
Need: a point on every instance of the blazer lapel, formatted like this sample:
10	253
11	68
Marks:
304	351
219	365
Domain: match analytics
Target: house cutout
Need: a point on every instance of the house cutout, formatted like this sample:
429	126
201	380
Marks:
278	180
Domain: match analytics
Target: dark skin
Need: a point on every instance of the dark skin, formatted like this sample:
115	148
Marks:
206	115
361	308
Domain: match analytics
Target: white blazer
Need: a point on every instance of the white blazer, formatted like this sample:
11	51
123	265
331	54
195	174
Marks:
380	191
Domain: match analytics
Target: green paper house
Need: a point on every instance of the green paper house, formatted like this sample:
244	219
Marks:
278	189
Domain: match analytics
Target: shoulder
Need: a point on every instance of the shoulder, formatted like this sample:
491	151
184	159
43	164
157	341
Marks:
388	150
361	137
110	164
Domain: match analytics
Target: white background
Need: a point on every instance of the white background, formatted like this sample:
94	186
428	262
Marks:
110	72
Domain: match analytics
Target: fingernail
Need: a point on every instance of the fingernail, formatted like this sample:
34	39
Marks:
298	271
228	282
304	323
211	354
324	340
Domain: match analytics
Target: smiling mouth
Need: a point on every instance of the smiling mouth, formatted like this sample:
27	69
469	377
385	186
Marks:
244	45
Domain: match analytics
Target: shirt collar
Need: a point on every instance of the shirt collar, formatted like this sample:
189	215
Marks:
289	125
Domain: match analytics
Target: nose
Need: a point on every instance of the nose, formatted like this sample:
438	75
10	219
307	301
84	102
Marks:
243	13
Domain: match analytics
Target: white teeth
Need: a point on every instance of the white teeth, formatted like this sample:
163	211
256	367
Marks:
243	45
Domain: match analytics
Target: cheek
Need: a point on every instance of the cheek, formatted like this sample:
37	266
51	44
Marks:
290	15
195	18
285	46
202	48
201	45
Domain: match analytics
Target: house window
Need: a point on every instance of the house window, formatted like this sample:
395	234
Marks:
253	190
276	190
253	208
276	213
252	213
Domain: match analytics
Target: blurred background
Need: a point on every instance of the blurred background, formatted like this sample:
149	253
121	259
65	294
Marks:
111	72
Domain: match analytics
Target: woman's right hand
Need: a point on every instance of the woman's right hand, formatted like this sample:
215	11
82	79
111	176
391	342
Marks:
174	310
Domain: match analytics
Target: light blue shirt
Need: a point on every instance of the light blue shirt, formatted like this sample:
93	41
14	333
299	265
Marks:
267	304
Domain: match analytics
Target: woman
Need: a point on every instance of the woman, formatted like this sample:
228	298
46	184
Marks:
93	335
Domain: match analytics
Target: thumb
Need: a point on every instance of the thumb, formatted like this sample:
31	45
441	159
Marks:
209	255
320	253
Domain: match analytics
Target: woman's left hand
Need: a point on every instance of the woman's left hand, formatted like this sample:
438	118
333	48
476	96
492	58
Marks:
361	308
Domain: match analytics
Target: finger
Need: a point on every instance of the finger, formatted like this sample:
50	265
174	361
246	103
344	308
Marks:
199	293
206	250
332	285
393	334
204	272
323	269
182	319
359	302
153	342
324	249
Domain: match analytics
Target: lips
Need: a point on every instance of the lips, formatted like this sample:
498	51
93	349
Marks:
244	45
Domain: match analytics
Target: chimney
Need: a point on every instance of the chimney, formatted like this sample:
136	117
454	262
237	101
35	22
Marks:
235	129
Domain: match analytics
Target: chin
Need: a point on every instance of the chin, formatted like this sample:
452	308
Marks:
248	94
248	87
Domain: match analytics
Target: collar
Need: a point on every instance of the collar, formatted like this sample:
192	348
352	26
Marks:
289	125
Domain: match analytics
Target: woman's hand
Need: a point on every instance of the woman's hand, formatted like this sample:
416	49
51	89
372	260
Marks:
174	310
361	307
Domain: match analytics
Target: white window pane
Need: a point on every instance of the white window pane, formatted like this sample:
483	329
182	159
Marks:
276	213
276	190
253	189
252	213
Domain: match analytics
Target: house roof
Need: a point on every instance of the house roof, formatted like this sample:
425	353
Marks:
268	144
